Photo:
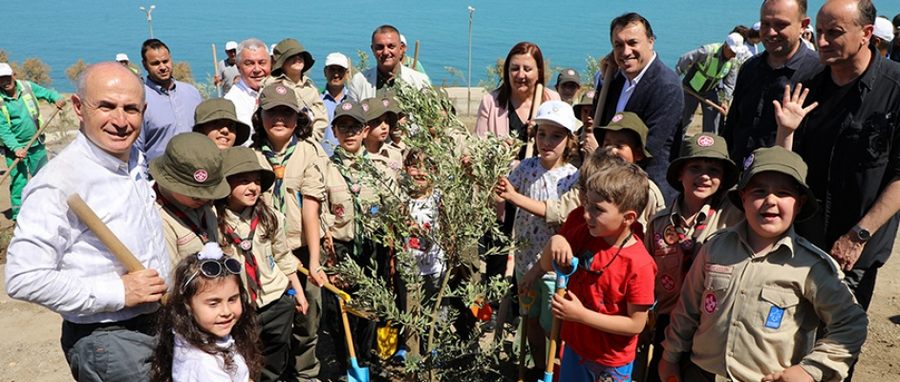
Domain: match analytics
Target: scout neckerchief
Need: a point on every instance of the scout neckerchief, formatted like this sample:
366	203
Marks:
278	166
355	187
245	245
679	233
200	230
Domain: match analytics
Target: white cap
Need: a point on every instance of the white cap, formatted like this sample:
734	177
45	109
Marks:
756	26
272	49
557	112
337	59
402	39
883	29
5	69
736	42
231	45
122	57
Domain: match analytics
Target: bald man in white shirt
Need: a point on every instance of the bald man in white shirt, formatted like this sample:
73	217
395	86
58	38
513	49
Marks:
55	261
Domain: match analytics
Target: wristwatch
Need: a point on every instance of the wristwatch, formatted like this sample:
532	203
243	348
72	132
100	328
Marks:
860	235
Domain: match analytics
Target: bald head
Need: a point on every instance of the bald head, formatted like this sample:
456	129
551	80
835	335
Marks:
863	11
106	71
843	31
109	103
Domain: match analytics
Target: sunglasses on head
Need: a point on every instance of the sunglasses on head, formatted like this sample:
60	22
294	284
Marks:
215	268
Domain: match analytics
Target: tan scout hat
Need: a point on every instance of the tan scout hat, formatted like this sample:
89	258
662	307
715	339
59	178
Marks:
288	48
587	100
777	159
239	160
703	146
568	75
631	122
276	95
375	107
220	108
349	109
191	166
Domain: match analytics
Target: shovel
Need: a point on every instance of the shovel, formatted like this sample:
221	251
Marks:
562	279
525	301
355	373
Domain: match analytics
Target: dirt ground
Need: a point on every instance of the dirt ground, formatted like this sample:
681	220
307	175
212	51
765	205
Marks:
30	333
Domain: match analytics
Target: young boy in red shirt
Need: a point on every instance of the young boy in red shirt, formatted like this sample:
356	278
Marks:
608	297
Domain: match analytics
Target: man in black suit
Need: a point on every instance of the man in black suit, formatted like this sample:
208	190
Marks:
646	87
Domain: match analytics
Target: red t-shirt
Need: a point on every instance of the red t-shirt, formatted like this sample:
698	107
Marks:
630	278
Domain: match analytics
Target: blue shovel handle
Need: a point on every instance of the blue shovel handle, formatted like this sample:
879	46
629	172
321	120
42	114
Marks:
562	278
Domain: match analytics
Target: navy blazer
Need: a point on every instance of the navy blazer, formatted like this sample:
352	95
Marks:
659	100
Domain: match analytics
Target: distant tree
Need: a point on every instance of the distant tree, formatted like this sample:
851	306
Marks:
493	76
4	57
363	63
35	70
181	71
74	71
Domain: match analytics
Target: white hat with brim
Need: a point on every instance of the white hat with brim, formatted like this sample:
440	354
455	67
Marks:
337	59
5	69
121	57
231	45
883	29
735	42
559	113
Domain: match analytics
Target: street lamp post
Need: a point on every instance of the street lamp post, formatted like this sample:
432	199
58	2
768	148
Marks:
149	12
469	84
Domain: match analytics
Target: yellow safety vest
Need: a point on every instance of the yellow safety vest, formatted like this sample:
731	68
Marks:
703	76
31	104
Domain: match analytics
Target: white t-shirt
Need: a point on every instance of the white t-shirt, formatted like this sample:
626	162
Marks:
534	181
429	256
190	364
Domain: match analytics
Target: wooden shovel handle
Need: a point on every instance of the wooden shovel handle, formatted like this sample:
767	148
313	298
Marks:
535	104
106	236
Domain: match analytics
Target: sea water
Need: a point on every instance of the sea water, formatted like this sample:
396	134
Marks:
61	32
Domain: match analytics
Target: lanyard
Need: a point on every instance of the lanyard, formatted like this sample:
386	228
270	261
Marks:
200	230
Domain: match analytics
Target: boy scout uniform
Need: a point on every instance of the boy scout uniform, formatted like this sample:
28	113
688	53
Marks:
388	159
191	166
269	249
629	121
298	174
342	203
307	95
671	240
744	315
297	169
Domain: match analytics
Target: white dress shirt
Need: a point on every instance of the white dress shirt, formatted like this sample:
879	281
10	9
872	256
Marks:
190	364
245	101
362	85
55	261
628	88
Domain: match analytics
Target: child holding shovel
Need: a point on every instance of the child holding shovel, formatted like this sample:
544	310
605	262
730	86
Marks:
611	292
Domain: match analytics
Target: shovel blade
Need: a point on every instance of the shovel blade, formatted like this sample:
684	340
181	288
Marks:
548	377
356	373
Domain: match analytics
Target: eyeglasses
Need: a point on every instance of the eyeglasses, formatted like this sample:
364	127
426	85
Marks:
215	268
349	129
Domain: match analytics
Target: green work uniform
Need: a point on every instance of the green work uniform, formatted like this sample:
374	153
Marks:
17	127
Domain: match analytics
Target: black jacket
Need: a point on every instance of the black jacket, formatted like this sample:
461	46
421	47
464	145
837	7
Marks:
659	101
851	143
